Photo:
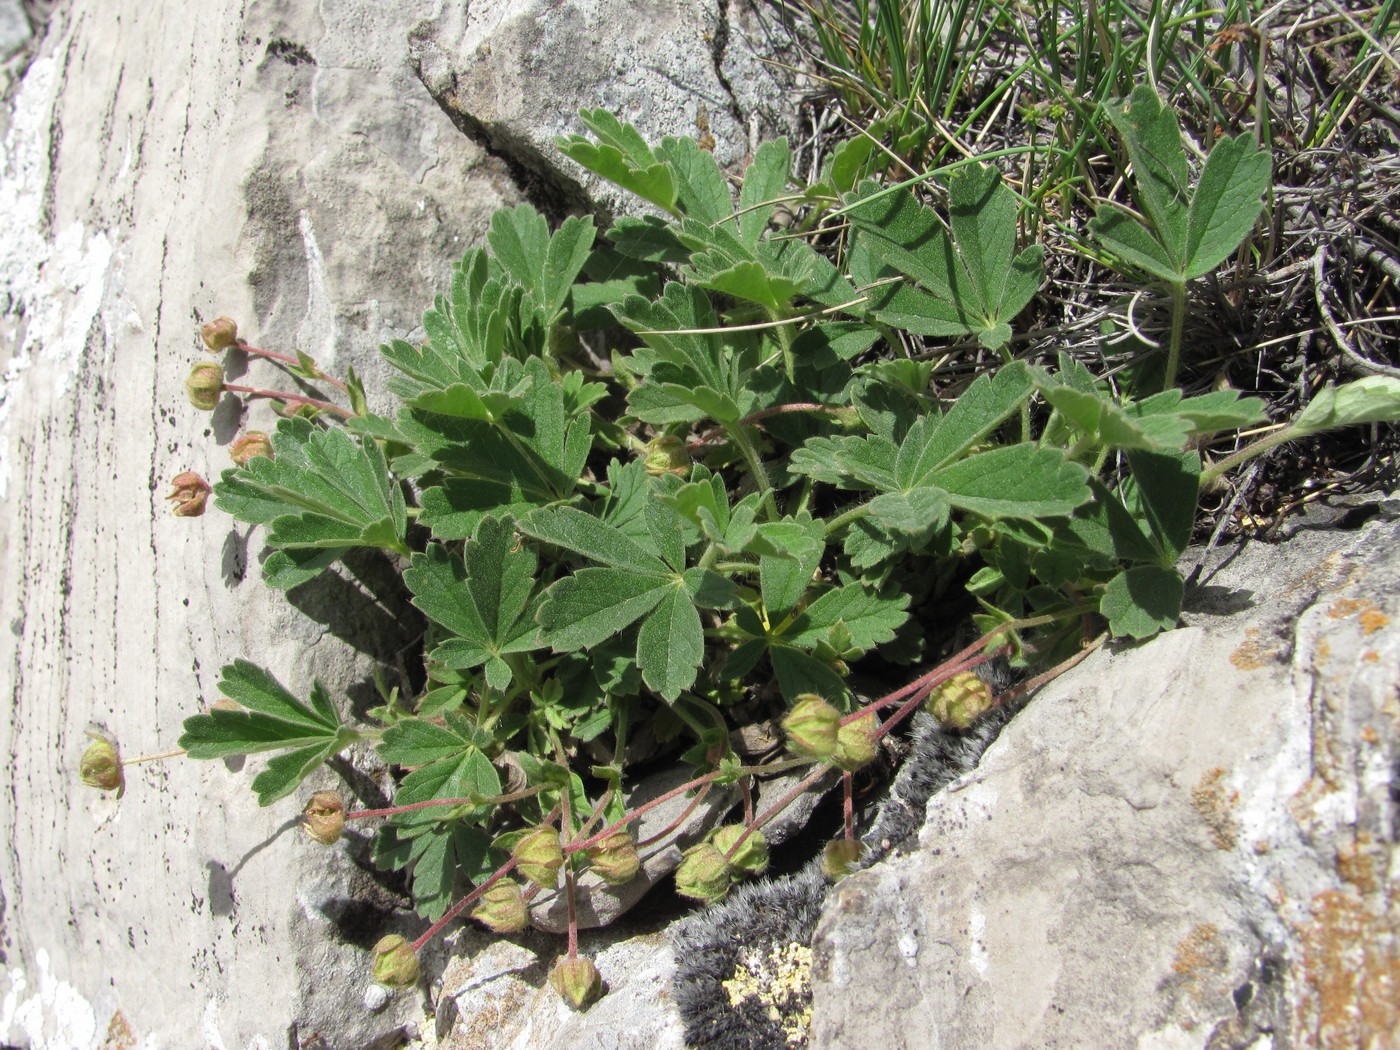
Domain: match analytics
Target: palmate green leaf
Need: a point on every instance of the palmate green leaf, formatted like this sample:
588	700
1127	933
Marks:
443	861
1017	481
984	406
271	719
702	191
630	581
798	672
545	266
1374	399
1226	202
969	282
784	577
1150	131
484	600
1142	600
764	182
322	491
622	157
1123	235
871	618
1168	489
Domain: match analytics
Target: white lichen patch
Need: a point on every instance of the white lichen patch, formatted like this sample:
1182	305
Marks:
780	983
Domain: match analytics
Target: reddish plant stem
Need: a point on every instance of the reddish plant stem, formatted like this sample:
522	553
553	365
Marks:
761	414
685	815
777	807
746	786
463	904
494	800
703	781
848	808
287	359
1054	672
293	399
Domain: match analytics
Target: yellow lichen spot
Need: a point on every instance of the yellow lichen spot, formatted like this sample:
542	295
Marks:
779	984
1254	653
1372	620
1216	805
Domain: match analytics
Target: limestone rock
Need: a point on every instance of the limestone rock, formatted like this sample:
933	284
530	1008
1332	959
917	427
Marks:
514	74
163	163
1190	843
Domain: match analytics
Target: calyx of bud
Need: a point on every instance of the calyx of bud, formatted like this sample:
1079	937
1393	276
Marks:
856	743
219	334
539	856
703	874
961	700
395	964
324	817
249	445
812	727
190	495
101	766
577	980
614	857
502	908
666	455
204	385
840	857
751	857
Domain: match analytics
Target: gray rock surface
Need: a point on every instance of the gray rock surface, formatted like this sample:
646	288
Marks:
14	28
514	74
1191	843
162	163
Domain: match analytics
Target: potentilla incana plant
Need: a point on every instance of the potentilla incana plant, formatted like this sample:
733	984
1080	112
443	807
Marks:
654	485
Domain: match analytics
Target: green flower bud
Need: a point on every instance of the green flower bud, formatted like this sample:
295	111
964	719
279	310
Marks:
219	334
840	857
856	743
249	445
577	980
751	857
324	817
204	385
502	908
395	964
666	455
539	856
615	858
101	766
190	495
811	727
961	700
703	874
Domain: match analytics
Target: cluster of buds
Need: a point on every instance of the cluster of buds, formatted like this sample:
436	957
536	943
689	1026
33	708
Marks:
814	730
708	869
961	700
324	817
101	766
190	495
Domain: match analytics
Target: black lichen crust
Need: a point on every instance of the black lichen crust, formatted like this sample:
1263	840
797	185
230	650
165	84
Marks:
773	914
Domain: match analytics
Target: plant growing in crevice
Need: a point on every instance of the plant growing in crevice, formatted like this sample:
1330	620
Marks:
756	496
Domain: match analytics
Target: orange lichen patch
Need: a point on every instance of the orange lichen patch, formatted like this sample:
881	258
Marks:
1254	652
119	1034
1217	805
1200	956
1369	615
1350	973
1369	735
1371	656
1356	863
